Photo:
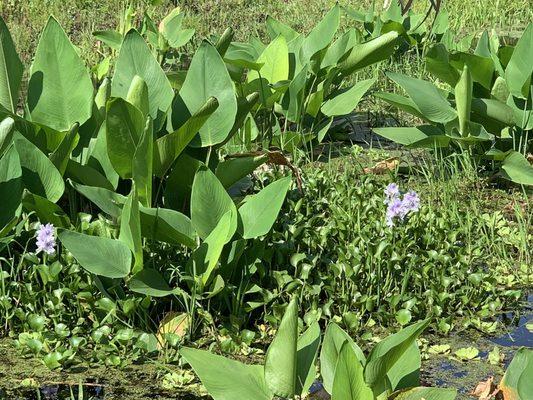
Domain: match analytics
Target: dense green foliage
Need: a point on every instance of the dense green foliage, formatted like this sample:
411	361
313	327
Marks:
169	196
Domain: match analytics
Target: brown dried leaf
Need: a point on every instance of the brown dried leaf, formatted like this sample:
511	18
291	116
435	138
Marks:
382	167
485	390
173	322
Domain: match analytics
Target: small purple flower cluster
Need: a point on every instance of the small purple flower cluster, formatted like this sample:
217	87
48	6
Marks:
46	240
398	206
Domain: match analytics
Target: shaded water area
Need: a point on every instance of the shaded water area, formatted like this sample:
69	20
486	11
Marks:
444	371
18	377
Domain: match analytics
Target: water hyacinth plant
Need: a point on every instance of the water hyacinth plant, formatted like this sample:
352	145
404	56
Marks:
397	206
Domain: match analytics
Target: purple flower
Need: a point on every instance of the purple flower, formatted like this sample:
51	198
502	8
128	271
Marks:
46	240
398	207
392	191
411	201
394	209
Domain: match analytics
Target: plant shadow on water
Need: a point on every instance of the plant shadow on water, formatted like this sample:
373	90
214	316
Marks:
59	392
442	371
518	334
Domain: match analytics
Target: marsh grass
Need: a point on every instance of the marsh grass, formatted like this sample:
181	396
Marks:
81	17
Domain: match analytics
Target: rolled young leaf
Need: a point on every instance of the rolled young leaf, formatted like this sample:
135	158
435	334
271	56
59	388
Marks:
463	100
130	228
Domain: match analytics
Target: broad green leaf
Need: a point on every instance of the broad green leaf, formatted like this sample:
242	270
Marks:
334	338
322	129
226	379
208	77
39	175
232	170
107	200
207	255
60	91
369	53
345	102
276	28
242	55
259	211
294	98
307	351
281	356
428	99
135	58
520	68
493	111
340	48
179	183
322	34
406	372
10	187
387	353
517	169
244	106
167	226
99	255
427	393
438	64
403	103
112	38
45	210
209	202
481	68
11	70
61	155
143	163
275	60
150	283
6	133
523	111
169	147
170	28
517	383
130	229
124	127
349	381
499	90
86	175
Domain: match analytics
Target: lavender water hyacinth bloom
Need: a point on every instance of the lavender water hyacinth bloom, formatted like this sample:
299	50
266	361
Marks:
398	207
392	191
46	240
